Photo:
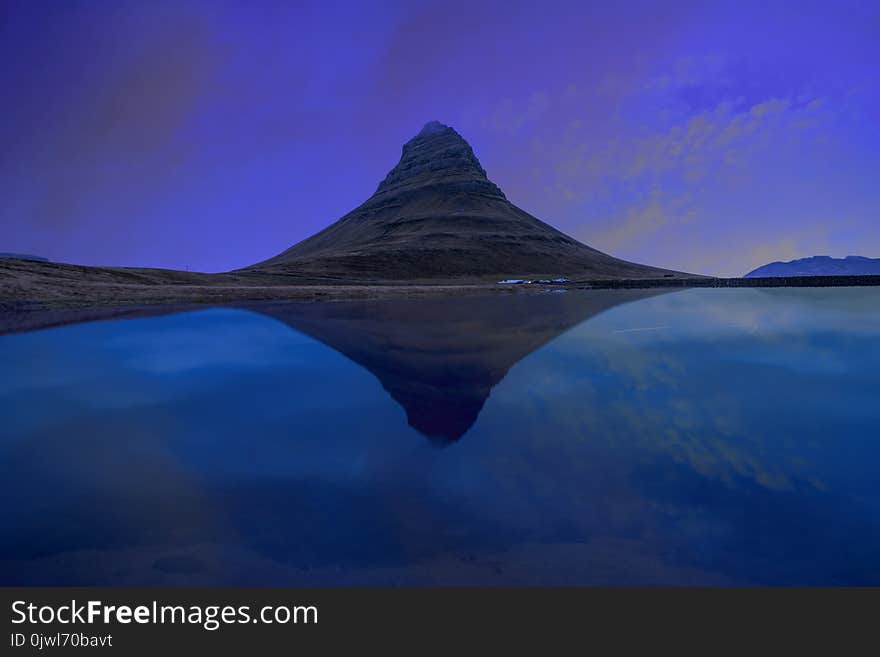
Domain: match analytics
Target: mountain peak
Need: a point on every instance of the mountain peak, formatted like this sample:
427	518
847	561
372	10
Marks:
438	155
432	128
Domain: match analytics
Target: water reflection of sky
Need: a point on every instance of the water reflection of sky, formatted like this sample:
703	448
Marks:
703	436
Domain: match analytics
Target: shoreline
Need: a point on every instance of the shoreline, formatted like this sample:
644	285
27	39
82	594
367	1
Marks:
41	295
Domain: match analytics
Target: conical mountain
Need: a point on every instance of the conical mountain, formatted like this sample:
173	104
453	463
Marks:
437	217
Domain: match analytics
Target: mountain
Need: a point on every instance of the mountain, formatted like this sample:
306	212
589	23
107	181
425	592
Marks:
819	266
437	217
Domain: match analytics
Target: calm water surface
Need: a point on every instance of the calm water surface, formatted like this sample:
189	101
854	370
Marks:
607	437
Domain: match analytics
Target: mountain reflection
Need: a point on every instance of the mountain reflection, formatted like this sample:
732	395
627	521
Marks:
440	358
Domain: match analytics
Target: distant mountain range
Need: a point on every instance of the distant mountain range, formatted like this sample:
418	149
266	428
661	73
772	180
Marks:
24	256
819	266
438	217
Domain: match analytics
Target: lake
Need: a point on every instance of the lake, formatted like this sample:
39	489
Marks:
702	436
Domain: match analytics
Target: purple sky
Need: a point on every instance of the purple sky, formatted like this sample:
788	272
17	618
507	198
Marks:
706	136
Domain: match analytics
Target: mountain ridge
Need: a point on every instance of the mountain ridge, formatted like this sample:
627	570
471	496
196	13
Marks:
820	265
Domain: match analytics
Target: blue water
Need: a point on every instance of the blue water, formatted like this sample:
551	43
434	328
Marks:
694	437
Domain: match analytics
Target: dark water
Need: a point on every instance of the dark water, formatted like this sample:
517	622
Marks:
700	436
